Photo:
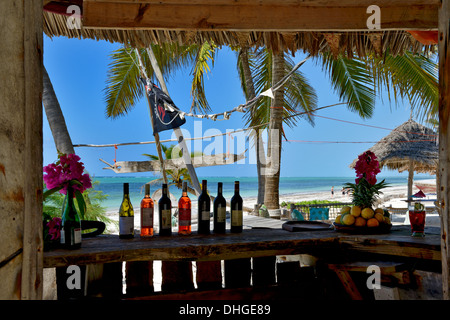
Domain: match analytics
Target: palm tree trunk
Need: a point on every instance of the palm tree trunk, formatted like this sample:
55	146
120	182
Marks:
55	117
272	198
260	154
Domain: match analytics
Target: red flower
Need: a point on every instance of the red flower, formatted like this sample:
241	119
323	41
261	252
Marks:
367	167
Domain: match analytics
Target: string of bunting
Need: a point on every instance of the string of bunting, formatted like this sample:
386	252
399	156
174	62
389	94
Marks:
240	108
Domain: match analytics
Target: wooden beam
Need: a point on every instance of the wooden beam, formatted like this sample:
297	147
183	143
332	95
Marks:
21	248
171	164
309	3
254	16
444	140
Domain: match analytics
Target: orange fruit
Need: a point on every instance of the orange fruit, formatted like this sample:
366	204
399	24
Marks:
355	211
379	210
372	222
367	213
348	220
338	219
360	222
379	217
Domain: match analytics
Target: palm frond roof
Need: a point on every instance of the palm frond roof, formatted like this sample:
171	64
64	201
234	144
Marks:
409	141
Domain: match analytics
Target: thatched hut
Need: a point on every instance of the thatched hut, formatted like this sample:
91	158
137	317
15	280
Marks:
411	146
276	24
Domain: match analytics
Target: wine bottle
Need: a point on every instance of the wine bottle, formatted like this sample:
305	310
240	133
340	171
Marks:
220	211
147	207
70	224
184	212
204	210
165	213
126	215
236	210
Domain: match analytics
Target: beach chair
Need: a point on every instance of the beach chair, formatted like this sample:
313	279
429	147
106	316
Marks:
319	213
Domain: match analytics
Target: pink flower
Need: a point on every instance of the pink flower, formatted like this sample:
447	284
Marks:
367	167
67	168
54	228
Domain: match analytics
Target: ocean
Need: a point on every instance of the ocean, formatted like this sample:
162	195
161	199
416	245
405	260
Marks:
113	186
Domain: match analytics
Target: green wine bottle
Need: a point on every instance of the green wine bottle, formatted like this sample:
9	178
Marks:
70	224
126	215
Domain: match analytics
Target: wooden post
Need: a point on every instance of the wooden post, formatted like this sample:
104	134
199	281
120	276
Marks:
410	179
177	131
444	140
21	249
156	135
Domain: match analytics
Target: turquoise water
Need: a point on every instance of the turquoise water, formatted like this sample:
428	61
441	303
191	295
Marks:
113	186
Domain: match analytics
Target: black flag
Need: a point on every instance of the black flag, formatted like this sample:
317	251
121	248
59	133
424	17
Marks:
165	114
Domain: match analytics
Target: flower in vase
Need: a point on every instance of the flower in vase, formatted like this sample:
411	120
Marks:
366	189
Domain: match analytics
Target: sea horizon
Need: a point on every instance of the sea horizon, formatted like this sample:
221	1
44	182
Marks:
112	186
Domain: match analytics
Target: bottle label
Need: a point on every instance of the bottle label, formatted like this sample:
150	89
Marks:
236	218
221	214
147	217
184	217
126	225
205	215
166	218
76	236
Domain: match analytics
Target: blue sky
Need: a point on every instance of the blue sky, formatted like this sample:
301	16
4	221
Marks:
78	70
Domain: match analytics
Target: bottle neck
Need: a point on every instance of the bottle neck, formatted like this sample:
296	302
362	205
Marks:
164	190
147	190
219	188
69	195
204	186
236	188
184	194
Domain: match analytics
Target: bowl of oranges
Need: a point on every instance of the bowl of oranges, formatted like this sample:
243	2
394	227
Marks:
363	220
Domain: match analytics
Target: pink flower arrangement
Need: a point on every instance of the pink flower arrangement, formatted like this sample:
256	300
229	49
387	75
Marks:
367	167
68	168
54	228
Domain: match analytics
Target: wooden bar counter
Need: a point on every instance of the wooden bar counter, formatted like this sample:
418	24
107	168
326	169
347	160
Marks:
257	242
254	264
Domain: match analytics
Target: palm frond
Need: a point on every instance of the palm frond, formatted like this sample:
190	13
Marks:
123	88
205	56
410	76
352	80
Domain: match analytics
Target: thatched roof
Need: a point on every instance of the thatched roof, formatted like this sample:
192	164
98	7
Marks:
409	141
360	43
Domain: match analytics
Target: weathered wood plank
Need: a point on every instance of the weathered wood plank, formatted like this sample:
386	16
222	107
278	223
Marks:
264	271
251	243
238	273
139	278
209	275
306	3
21	274
177	276
155	166
252	16
444	140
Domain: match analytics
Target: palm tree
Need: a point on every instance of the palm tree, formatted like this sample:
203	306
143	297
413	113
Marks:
256	70
55	117
357	81
123	86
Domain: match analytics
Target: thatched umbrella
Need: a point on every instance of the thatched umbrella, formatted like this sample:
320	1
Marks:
411	146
